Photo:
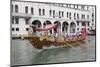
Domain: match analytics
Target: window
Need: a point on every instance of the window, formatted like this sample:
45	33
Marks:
50	12
77	28
16	8
77	6
26	21
12	20
17	29
77	23
92	14
27	29
83	23
67	14
16	20
87	8
87	16
88	23
53	13
62	14
26	9
83	16
77	16
74	5
82	7
12	29
82	28
62	28
92	9
92	17
59	14
66	5
39	11
43	12
92	20
32	10
88	28
12	8
70	15
92	24
74	15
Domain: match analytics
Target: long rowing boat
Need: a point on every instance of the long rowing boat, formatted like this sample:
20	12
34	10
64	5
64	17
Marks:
39	44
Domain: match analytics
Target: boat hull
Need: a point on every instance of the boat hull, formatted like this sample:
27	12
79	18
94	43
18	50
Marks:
37	43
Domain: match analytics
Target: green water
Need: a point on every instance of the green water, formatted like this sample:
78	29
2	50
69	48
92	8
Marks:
23	53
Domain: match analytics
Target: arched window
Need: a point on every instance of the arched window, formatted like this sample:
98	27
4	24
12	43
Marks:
26	9
43	11
59	14
53	13
12	8
12	19
16	8
50	12
16	20
82	7
83	16
74	15
77	6
67	14
77	16
32	10
39	11
26	21
87	8
62	14
74	5
87	16
72	27
70	15
65	26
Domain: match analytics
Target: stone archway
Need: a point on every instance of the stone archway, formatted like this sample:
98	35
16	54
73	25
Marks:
65	26
72	27
37	23
58	29
47	22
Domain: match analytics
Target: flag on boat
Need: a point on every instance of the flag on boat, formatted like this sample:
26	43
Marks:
84	32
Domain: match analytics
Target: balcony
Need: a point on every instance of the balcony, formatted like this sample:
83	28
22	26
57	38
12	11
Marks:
24	15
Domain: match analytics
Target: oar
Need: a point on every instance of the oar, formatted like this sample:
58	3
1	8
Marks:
69	44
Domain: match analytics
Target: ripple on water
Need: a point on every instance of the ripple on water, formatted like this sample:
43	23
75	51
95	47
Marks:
24	53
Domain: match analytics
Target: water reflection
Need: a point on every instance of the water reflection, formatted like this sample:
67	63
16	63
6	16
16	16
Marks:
46	56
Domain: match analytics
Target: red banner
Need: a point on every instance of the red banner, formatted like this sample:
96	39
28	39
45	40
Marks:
47	27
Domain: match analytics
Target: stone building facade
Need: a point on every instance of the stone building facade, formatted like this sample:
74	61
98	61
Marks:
72	17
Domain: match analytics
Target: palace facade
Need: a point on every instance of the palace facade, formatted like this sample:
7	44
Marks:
72	17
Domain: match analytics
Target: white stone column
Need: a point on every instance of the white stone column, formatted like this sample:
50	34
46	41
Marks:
80	26
41	24
61	28
68	29
76	28
52	31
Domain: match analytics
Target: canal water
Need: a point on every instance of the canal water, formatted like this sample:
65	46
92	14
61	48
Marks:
23	53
